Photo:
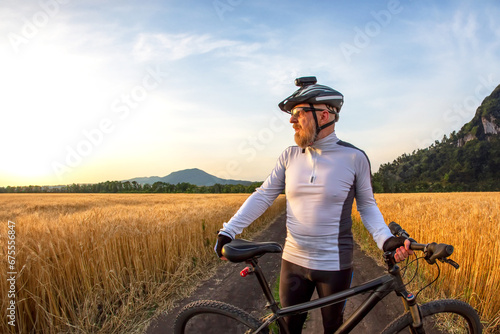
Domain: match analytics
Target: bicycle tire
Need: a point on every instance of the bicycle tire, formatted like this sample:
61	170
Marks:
461	311
244	321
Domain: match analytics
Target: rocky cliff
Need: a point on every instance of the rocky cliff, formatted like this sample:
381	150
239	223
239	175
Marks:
486	121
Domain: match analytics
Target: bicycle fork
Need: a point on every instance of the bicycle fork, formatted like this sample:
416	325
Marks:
409	300
410	303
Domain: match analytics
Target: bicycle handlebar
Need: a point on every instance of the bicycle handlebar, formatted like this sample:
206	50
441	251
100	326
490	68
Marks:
397	231
432	251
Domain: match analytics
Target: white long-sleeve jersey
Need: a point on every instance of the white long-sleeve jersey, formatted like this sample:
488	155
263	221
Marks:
320	184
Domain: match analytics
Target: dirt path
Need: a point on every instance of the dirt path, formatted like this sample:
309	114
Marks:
226	285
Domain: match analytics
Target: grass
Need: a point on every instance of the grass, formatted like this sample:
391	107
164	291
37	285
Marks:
275	288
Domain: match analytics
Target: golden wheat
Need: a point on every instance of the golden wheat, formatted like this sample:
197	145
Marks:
106	263
468	221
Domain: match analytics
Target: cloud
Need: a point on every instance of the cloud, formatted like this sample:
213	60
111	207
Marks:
153	46
225	78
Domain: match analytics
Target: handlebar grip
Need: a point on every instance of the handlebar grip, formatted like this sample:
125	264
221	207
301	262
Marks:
394	227
397	230
437	251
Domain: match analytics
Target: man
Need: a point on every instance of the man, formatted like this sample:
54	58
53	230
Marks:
321	177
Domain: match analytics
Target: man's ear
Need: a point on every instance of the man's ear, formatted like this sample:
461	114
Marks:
325	116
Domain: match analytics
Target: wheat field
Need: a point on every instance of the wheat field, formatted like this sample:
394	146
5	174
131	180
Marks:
468	221
107	263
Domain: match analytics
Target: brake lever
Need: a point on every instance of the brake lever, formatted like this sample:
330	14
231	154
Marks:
450	262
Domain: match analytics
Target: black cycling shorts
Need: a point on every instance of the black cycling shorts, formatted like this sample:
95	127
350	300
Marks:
297	285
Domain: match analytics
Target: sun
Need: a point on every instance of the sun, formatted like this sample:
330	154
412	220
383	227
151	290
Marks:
51	95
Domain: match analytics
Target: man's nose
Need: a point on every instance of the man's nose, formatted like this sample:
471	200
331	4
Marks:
293	119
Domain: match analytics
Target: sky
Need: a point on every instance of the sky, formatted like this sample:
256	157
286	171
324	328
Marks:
110	90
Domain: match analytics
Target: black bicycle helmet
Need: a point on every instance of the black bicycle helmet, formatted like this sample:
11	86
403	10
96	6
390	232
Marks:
310	92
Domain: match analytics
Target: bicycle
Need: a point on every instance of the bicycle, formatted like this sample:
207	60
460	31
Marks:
416	318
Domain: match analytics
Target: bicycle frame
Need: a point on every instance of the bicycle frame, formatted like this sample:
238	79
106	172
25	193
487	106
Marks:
380	287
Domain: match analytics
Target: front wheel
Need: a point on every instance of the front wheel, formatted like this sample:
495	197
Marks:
441	316
209	316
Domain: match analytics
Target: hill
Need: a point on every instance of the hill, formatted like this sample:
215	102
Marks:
184	181
465	161
193	176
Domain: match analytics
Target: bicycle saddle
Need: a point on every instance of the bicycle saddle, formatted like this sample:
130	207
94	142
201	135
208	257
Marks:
240	250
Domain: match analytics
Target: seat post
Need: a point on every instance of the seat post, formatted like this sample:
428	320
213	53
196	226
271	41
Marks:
267	292
263	284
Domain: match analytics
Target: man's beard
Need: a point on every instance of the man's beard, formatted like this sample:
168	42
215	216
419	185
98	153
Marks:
305	136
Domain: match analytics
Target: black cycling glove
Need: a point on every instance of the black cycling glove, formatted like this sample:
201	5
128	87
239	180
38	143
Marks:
393	243
221	241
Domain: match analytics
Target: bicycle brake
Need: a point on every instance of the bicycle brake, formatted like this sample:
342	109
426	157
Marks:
450	262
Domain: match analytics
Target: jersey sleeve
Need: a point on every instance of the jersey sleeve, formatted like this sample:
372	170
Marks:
367	206
262	198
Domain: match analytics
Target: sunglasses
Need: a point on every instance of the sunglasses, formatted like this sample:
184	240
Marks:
295	112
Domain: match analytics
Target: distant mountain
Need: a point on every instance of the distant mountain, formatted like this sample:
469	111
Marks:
465	161
193	176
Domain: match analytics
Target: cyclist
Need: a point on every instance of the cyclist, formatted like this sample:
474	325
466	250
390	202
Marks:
321	177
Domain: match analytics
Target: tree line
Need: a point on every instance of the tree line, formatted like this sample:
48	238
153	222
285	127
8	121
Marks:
445	166
465	161
134	187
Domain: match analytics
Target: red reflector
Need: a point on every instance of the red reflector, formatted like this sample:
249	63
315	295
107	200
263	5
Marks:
245	272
